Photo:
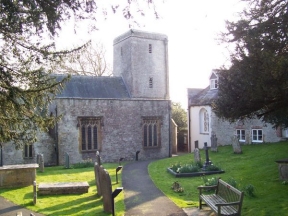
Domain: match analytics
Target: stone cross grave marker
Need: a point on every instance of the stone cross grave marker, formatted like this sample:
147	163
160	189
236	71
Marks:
214	143
236	145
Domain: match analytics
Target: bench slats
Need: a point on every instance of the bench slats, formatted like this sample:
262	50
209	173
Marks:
226	199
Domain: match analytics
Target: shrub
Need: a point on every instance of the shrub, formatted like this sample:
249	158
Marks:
209	182
189	168
175	167
176	187
212	167
249	190
231	181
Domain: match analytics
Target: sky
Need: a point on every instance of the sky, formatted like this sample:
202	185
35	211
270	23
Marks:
192	27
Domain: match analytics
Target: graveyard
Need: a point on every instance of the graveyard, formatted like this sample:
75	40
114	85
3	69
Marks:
256	167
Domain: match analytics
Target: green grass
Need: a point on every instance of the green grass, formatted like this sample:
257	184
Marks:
256	166
83	204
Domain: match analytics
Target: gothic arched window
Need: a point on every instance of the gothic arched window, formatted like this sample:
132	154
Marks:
204	121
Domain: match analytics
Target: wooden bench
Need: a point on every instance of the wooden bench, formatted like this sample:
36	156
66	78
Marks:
63	188
226	200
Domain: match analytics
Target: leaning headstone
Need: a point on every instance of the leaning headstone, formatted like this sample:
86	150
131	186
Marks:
97	178
197	157
236	145
67	161
106	189
214	143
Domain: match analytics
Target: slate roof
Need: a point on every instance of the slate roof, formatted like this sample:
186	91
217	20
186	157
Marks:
201	97
93	87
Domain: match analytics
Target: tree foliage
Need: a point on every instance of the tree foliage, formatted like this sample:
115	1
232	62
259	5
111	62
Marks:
256	83
27	51
179	115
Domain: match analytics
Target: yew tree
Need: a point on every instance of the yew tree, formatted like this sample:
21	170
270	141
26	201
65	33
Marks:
256	83
27	51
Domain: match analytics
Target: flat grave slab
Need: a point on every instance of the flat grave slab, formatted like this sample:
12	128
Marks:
63	188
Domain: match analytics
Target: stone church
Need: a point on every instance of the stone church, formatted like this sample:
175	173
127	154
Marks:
125	116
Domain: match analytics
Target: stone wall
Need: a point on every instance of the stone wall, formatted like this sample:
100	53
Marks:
136	64
121	130
45	145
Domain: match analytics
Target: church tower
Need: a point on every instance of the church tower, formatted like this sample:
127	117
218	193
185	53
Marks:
141	59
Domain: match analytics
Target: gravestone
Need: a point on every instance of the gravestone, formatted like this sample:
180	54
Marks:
197	157
236	145
67	161
214	142
40	161
106	190
98	158
97	178
34	192
104	186
207	161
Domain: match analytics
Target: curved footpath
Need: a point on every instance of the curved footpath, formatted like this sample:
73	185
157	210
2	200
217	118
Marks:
142	197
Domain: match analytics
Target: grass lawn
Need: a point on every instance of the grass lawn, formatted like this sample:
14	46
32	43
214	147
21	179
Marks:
83	204
256	166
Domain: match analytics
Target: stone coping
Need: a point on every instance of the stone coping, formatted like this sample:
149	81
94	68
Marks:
285	161
202	173
63	185
19	166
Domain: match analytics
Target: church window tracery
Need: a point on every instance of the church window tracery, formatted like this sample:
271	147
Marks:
151	132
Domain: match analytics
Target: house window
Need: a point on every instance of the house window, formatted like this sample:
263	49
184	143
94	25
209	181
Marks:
213	83
89	133
150	82
241	135
151	132
150	48
257	135
204	121
28	151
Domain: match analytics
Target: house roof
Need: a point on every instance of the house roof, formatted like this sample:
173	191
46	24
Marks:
93	87
200	97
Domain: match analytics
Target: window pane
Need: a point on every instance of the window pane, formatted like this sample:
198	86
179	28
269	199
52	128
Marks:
83	136
95	141
150	135
145	135
30	151
26	151
155	135
89	137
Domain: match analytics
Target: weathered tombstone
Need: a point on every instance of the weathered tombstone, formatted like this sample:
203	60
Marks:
197	157
67	161
98	158
34	192
214	142
196	144
41	162
236	145
97	178
106	189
